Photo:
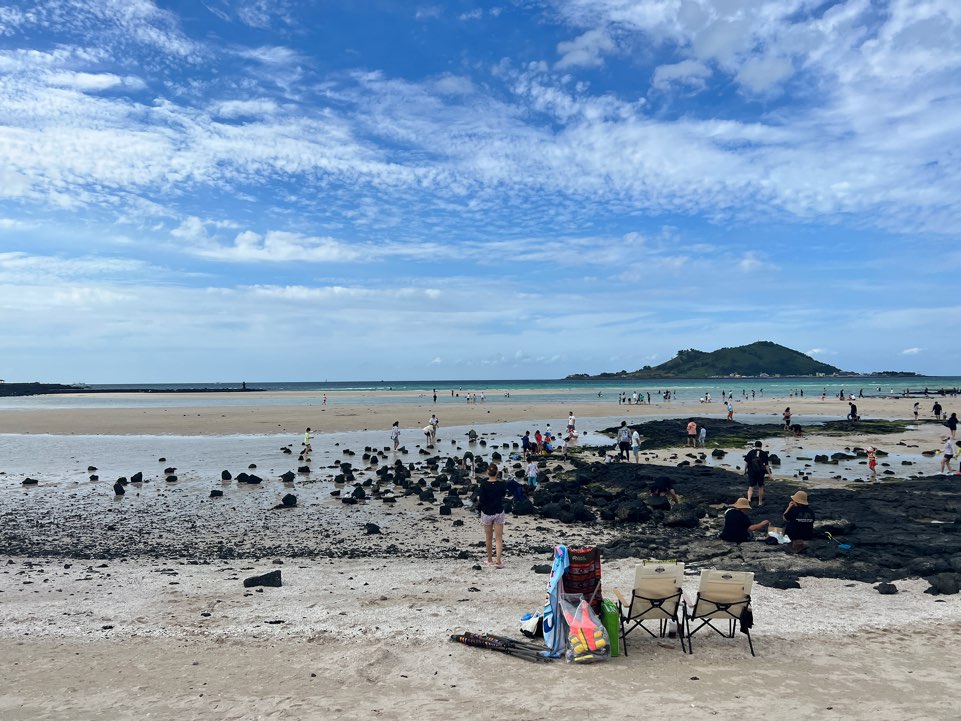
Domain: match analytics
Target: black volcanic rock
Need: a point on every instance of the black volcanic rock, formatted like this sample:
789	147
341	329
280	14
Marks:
271	579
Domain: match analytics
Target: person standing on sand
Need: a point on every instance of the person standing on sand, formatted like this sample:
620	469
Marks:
947	453
623	442
692	433
758	468
307	448
636	445
571	420
490	501
952	424
435	424
395	434
936	410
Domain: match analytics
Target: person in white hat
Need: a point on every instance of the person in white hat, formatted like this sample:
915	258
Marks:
737	524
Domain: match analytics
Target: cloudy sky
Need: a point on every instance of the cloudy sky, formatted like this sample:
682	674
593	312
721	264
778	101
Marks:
206	190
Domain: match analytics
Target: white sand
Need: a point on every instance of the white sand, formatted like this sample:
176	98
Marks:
375	634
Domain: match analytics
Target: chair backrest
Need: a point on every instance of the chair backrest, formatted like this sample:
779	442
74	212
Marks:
722	594
656	592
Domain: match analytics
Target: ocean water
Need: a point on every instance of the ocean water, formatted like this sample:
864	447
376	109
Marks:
494	390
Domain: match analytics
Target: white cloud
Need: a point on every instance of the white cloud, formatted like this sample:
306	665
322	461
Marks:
475	14
586	50
276	246
245	108
911	351
691	73
429	12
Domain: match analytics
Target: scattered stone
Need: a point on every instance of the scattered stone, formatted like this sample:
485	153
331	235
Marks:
886	589
225	475
372	529
29	482
118	489
289	500
271	579
216	493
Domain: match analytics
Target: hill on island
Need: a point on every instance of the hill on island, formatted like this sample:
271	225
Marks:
762	358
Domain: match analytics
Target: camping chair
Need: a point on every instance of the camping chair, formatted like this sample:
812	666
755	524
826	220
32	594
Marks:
722	596
656	596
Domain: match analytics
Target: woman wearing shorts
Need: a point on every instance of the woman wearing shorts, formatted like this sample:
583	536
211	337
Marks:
491	505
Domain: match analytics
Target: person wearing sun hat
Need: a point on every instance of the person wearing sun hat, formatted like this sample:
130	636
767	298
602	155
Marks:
737	524
873	462
800	521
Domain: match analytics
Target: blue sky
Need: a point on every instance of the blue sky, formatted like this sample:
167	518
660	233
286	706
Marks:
279	190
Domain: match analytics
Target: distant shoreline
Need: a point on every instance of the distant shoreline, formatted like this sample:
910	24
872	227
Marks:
37	389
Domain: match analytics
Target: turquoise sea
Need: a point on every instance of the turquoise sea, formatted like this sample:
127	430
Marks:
494	391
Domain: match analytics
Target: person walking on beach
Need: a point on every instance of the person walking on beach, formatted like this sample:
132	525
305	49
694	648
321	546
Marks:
435	424
917	410
936	409
395	434
873	462
491	504
692	433
623	442
787	417
947	453
758	468
636	445
571	420
952	424
307	448
853	413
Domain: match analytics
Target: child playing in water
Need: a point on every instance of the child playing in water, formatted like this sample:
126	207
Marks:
873	463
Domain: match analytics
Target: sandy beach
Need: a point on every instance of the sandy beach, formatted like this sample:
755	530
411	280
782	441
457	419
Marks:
367	636
292	412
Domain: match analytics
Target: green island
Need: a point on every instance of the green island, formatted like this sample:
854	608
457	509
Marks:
762	359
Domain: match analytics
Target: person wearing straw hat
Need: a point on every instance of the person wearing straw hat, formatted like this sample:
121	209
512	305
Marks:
800	521
737	524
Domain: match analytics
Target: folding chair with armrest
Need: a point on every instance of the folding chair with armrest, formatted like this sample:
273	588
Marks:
656	596
722	596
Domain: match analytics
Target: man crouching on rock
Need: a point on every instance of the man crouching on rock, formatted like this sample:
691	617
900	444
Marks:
737	524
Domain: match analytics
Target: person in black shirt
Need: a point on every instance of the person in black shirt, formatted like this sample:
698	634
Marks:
491	504
737	524
757	467
664	486
800	521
